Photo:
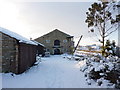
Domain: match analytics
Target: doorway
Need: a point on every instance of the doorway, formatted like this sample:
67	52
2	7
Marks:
56	51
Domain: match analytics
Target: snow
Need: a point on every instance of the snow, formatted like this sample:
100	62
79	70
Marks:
51	72
85	53
81	64
38	43
16	36
99	67
95	63
93	47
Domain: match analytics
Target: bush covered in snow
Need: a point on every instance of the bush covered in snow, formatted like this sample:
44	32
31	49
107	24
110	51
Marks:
110	48
102	69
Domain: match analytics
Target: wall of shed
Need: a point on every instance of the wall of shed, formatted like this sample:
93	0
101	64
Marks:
40	50
14	56
9	54
27	56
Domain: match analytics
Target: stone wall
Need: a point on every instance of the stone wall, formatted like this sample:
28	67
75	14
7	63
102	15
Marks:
66	44
9	54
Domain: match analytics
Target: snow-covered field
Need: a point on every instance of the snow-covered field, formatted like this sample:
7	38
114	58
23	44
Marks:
51	72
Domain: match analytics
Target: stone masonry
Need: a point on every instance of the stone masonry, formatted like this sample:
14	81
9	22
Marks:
9	53
65	41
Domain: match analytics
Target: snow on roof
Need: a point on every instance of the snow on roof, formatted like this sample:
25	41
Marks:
17	36
38	43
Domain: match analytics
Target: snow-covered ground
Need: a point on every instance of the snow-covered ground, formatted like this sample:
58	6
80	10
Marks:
51	72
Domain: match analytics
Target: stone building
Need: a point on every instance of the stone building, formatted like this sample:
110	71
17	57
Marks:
57	42
17	53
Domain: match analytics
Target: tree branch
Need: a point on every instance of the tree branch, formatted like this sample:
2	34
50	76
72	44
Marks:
110	28
111	32
109	6
100	31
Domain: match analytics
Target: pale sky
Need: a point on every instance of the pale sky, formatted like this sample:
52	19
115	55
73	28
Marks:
34	19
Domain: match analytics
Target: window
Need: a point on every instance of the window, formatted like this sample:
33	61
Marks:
65	41
47	41
71	39
56	43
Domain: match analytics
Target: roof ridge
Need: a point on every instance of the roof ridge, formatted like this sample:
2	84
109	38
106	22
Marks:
53	31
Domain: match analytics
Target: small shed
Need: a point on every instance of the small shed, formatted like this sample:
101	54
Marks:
40	48
17	53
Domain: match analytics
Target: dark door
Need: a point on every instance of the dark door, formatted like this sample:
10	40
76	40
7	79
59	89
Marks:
56	51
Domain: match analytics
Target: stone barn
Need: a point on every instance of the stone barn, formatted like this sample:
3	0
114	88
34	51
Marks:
57	42
17	54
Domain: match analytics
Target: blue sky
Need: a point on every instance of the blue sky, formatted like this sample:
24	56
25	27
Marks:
34	19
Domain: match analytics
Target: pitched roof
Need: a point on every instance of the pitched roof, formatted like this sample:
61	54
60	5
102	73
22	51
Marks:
38	43
56	30
16	36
